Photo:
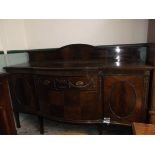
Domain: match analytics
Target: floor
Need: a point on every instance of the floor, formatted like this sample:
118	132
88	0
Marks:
30	126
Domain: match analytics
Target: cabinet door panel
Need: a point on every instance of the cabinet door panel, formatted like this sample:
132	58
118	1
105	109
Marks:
124	98
23	93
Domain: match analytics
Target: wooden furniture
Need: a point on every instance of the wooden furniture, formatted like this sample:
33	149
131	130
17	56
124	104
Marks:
151	61
143	129
82	84
7	125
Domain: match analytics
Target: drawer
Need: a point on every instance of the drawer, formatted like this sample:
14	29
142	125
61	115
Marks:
61	83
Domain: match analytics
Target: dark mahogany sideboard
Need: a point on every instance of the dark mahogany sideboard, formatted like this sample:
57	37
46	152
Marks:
81	83
7	126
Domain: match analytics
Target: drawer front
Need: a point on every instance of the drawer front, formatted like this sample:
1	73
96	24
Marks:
65	83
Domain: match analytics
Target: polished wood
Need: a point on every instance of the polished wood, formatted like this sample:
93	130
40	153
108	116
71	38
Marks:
124	98
143	129
82	84
7	126
151	61
84	52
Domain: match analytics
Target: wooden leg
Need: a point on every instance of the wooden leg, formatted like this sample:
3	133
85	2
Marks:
41	123
16	114
100	129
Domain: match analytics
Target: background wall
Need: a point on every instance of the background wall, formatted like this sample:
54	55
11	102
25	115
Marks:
1	48
12	34
25	34
12	37
56	33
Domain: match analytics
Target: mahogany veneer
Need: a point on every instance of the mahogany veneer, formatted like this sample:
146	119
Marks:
82	84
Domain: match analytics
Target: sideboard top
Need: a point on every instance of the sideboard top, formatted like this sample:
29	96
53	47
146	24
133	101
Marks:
83	56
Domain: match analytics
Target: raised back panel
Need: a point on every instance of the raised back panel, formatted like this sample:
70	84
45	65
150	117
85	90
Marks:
84	52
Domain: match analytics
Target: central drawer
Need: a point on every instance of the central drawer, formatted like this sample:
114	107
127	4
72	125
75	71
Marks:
65	83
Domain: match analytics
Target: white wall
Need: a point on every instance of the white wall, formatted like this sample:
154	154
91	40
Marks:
24	34
56	33
1	48
12	34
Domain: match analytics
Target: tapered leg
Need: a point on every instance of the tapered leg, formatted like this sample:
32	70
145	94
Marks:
41	123
16	114
100	129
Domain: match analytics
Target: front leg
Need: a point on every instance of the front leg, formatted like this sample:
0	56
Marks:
100	129
17	119
41	123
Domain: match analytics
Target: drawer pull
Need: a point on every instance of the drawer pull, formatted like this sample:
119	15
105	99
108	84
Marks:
79	83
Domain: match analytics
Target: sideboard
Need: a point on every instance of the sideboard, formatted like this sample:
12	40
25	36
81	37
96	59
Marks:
80	83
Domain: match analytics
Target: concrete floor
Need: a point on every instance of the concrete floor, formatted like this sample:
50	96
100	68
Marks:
30	126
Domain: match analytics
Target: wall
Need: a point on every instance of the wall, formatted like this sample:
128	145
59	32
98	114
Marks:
1	48
12	37
56	33
24	34
12	34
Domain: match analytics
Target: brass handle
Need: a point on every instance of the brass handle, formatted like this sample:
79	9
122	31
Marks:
79	83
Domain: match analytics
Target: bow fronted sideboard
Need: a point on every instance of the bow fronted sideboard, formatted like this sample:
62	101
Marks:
81	83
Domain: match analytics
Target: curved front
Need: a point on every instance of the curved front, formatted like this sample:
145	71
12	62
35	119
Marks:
70	99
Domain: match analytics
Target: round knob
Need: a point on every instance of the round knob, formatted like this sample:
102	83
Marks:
79	83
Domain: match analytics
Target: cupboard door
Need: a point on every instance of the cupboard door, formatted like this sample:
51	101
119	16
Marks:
124	98
23	93
69	98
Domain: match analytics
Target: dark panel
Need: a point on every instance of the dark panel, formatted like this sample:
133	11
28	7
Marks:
72	113
90	105
124	98
122	104
23	93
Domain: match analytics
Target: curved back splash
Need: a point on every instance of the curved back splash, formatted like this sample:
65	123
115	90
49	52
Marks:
84	52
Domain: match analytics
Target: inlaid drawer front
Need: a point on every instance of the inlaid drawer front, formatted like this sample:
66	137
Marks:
69	83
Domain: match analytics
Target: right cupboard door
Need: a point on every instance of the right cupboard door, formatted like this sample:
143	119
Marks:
124	99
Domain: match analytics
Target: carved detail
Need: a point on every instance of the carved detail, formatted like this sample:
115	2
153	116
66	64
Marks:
80	84
66	84
61	84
